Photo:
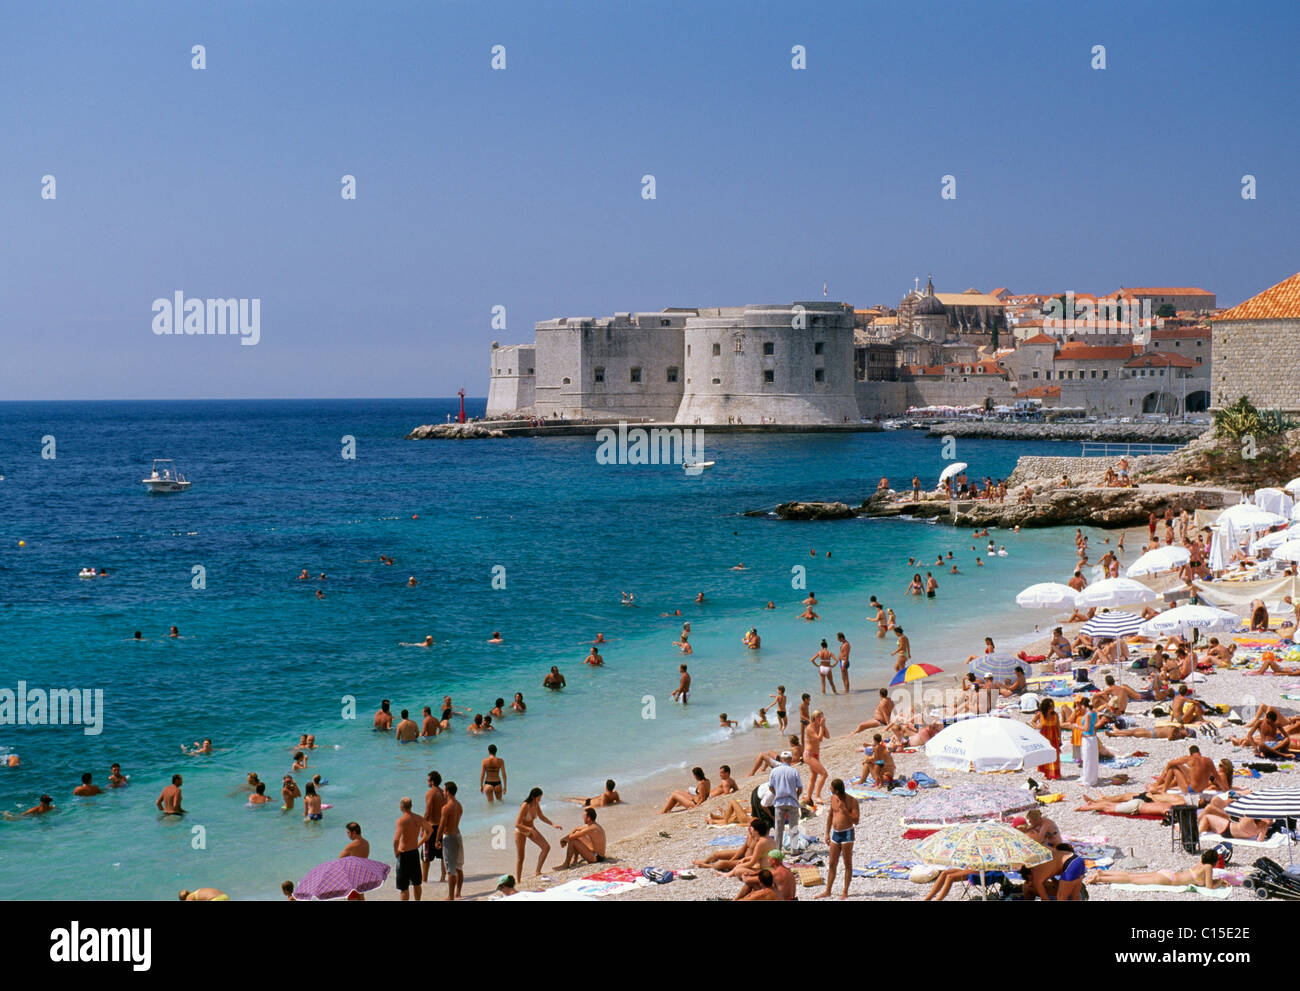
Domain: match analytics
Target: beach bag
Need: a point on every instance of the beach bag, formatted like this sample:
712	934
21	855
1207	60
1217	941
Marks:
1224	853
657	876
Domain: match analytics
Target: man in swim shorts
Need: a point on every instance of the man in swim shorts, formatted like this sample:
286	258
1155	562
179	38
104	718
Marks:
411	831
449	838
845	647
170	799
587	842
434	799
407	731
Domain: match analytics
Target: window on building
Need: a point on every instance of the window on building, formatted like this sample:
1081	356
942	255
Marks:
1035	374
740	345
510	371
819	375
635	375
566	381
769	349
769	375
717	350
717	381
672	374
598	375
1105	373
1093	374
664	322
688	350
1198	359
819	347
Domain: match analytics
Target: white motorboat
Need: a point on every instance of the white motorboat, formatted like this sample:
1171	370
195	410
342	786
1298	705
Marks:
165	478
697	466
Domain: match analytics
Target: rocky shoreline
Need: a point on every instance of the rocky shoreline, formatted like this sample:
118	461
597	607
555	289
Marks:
1121	433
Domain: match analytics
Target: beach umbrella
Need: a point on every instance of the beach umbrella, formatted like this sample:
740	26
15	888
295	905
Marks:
977	802
1114	592
913	674
1274	500
1267	803
1293	485
339	878
989	743
1046	595
982	846
1190	619
1112	624
1001	666
1247	516
953	469
1168	558
1275	539
1218	560
1287	551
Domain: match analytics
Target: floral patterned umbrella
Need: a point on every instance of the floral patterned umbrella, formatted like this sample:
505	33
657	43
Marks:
968	803
982	846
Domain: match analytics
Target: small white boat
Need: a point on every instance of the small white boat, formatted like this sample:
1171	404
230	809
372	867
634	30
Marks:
697	465
86	573
892	425
165	477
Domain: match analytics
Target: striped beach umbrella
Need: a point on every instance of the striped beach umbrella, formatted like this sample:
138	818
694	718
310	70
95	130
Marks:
915	672
1001	666
1112	624
1267	803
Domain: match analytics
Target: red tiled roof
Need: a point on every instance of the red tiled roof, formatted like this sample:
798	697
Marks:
1160	291
1094	352
1159	359
1039	392
1180	333
1039	339
1279	302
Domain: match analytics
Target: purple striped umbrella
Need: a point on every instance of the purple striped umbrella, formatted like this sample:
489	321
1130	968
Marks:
339	878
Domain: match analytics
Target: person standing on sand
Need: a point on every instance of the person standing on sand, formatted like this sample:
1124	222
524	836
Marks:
817	733
1087	720
903	651
449	840
492	775
683	691
410	833
805	702
1047	722
785	785
840	820
529	812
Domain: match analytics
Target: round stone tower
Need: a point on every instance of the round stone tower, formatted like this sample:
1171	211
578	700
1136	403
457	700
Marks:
780	363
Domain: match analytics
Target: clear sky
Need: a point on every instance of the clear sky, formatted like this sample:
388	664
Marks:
522	187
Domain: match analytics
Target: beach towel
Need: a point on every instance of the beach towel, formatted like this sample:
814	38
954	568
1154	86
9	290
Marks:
1125	815
1050	799
898	870
1277	839
626	875
919	834
1207	892
725	841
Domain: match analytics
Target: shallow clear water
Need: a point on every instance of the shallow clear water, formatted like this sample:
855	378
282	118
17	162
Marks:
262	660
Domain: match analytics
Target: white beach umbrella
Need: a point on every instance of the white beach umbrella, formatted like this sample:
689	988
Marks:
1114	592
1168	558
1183	620
1046	595
1246	516
1288	551
1275	539
1218	560
989	743
955	468
1293	485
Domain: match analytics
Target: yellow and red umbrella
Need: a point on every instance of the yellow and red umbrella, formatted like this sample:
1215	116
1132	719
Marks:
915	672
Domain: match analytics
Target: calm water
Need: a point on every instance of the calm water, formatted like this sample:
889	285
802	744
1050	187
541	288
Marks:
262	660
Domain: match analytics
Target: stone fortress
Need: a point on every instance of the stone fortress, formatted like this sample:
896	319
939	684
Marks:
823	363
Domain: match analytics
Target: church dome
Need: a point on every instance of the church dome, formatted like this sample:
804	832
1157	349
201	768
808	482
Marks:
929	306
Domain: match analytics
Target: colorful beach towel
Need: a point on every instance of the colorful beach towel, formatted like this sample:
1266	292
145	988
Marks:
919	834
626	875
898	870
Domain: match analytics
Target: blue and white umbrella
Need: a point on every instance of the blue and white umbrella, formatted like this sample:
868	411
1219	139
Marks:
1001	666
1112	624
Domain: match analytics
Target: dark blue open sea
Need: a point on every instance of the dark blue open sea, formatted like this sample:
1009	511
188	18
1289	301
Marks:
262	660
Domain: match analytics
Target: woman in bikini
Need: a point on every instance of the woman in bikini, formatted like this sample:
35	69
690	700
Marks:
311	804
529	813
839	836
823	661
817	732
916	588
1202	875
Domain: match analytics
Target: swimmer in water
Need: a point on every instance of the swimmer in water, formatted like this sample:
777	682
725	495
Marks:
116	779
300	761
554	680
496	637
46	805
406	732
518	704
429	726
198	749
411	582
259	796
320	594
169	801
174	632
770	605
87	787
311	805
311	742
699	598
726	723
426	642
384	717
739	567
498	709
138	635
600	638
304	576
289	791
808	615
594	658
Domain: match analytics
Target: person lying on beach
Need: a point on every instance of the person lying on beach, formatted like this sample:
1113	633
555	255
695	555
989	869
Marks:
1272	665
1077	617
586	843
734	814
696	795
1219	655
903	740
881	717
944	882
609	796
1217	824
1202	875
1158	733
1137	806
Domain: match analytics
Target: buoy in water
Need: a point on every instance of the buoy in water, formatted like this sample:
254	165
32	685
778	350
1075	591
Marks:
22	543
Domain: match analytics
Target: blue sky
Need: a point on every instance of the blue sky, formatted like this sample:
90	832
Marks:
522	187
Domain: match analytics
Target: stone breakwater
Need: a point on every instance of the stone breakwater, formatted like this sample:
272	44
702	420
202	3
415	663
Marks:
453	431
1101	507
1121	433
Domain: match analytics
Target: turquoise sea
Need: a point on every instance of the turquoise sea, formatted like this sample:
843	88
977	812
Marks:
262	660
